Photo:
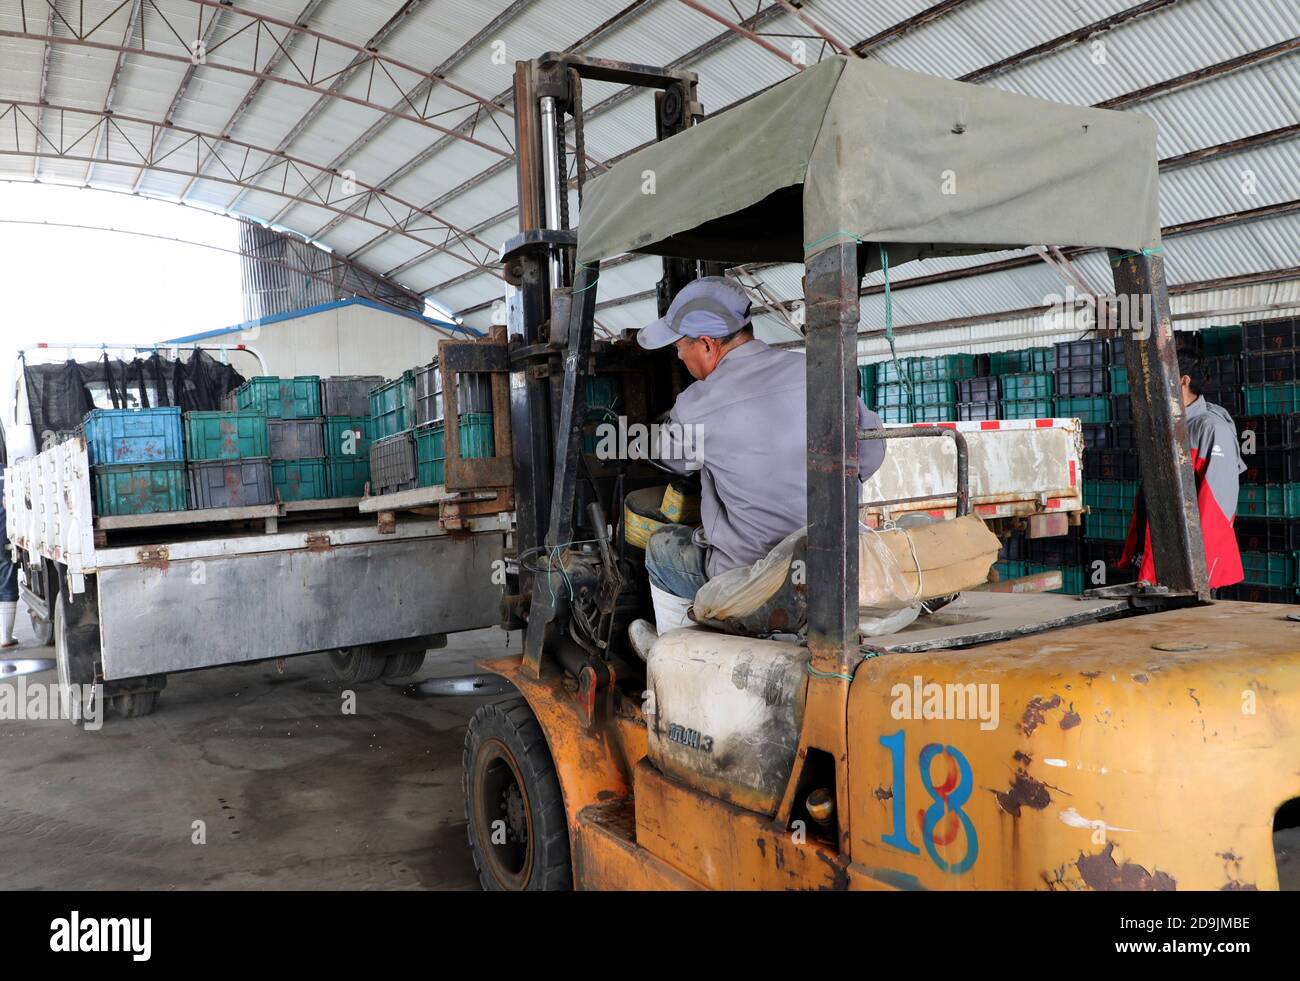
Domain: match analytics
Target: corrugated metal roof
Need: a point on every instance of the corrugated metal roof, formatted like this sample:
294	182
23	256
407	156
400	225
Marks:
315	110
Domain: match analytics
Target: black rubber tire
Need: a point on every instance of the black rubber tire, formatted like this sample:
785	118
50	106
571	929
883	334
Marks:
403	665
354	665
43	629
134	705
507	759
75	711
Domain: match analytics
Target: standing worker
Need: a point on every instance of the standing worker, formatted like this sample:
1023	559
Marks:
1217	464
744	423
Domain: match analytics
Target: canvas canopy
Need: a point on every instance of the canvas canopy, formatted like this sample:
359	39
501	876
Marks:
852	149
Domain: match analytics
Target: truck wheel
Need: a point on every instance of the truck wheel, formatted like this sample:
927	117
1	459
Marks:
354	665
75	707
513	805
43	629
133	705
403	665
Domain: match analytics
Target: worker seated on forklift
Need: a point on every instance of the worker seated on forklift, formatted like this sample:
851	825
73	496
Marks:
743	424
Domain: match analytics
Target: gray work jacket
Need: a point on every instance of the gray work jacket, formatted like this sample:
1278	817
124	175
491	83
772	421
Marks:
746	427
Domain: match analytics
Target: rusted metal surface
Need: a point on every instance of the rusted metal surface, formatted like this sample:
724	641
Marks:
1096	759
1160	425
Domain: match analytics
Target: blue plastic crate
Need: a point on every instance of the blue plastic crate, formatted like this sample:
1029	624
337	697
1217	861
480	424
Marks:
120	436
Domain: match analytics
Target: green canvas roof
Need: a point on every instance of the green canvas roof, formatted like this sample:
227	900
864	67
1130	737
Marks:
855	149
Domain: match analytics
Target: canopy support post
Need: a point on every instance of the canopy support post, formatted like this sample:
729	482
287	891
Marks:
1159	422
833	276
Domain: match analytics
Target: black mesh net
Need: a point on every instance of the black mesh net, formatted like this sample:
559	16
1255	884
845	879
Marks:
60	395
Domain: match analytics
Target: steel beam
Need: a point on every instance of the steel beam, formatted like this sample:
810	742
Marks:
1160	425
910	24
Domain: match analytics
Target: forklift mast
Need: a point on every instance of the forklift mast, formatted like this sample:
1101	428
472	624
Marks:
551	309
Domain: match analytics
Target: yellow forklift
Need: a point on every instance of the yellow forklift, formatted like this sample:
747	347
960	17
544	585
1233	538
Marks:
1137	737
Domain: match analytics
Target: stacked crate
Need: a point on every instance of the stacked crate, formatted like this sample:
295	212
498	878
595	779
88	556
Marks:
137	460
228	458
918	389
409	448
1268	510
295	432
348	432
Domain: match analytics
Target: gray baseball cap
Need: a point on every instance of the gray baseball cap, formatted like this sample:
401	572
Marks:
711	306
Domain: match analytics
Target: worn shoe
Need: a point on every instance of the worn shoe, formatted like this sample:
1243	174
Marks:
642	635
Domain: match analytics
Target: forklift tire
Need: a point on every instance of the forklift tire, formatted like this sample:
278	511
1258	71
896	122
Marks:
133	705
353	665
43	629
403	665
513	806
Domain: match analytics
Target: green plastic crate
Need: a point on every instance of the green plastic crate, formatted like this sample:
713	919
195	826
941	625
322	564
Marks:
1118	379
1217	341
300	480
1071	577
1269	500
347	476
234	435
892	395
1090	408
1008	362
925	392
935	412
1027	409
1028	385
139	488
1110	495
338	441
1269	568
1272	400
866	377
477	441
603	391
1111	526
281	398
945	368
1009	570
895	413
891	372
392	406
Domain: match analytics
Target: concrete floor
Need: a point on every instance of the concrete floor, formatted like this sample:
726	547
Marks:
294	794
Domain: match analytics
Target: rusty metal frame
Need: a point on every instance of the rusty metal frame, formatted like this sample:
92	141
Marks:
1160	425
490	355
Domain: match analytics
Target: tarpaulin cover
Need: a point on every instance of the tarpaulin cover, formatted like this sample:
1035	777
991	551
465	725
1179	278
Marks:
853	149
60	395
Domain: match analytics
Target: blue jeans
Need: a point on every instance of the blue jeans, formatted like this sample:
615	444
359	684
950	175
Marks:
8	574
675	563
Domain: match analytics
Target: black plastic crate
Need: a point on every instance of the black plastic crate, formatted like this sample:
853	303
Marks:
1245	593
1081	354
1115	349
1110	465
1081	381
230	483
348	395
1231	399
296	439
1272	335
1270	431
976	411
1100	561
1225	371
1272	465
1058	550
1015	548
1267	535
392	464
1097	436
1121	409
977	390
1272	367
1123	436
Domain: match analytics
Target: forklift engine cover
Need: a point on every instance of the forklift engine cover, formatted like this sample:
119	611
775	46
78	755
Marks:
723	713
